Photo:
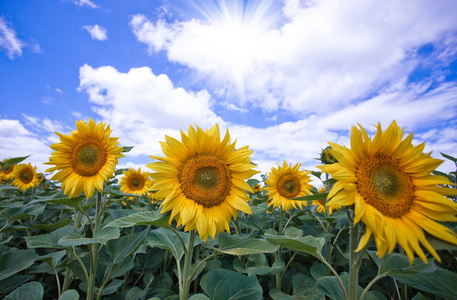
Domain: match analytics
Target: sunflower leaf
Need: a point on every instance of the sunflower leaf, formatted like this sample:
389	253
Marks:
153	218
319	196
308	244
127	148
236	245
12	162
449	157
32	290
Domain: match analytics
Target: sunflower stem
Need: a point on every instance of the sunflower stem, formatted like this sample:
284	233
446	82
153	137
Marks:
93	249
279	256
354	261
186	280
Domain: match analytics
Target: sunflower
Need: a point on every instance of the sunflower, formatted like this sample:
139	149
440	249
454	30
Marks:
202	180
285	183
6	173
84	159
322	203
25	177
389	181
135	182
257	188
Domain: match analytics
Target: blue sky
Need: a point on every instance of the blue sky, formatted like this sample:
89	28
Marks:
285	76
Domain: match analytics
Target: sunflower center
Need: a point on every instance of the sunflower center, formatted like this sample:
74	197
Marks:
288	186
205	179
8	170
26	176
383	185
136	183
88	157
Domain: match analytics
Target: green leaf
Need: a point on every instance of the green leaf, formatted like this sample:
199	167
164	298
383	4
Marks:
53	258
15	261
199	297
30	291
135	293
260	209
304	286
318	270
74	203
257	264
166	239
153	218
6	187
307	244
399	264
225	284
69	295
102	236
17	213
330	287
236	245
112	287
127	148
52	226
126	245
253	182
13	281
12	161
50	240
440	283
449	157
318	196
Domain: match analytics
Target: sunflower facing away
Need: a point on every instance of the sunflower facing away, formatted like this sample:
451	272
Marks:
389	182
84	159
135	182
202	180
6	173
322	203
285	183
25	177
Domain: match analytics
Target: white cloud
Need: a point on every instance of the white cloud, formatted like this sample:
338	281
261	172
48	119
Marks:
17	141
9	41
325	55
44	124
87	3
97	32
142	107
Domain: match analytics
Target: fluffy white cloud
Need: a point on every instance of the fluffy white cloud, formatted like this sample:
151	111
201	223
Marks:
142	107
9	41
17	141
97	32
335	53
87	3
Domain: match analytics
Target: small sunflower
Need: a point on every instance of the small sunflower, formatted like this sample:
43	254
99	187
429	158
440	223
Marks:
389	181
6	173
285	183
202	180
25	177
85	159
135	182
257	188
322	203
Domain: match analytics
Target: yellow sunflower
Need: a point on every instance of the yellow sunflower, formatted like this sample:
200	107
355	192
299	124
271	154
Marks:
135	182
6	173
322	203
202	180
285	183
84	159
257	188
389	181
25	177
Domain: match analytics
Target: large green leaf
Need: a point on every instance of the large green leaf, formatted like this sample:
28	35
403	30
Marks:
73	203
12	161
50	240
22	212
166	239
102	236
51	226
30	291
153	218
307	244
228	285
318	196
257	264
13	281
440	283
124	246
330	287
69	295
16	260
243	245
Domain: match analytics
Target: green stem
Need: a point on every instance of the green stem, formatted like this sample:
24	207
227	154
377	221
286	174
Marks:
180	239
200	264
184	293
83	267
279	256
353	262
340	282
365	291
93	249
105	282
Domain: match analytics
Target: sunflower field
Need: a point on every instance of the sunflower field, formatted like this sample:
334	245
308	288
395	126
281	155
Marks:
195	224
